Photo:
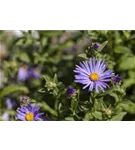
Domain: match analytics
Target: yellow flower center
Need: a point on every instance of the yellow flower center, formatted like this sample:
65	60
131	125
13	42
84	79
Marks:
94	76
29	116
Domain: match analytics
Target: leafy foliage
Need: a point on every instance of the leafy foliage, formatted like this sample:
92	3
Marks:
55	54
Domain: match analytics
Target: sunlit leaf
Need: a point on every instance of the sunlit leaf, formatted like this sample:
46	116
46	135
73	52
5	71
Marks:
119	116
13	88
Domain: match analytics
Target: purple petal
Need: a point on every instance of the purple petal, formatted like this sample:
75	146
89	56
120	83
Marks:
91	86
20	117
86	86
80	77
39	115
36	108
23	109
30	108
82	81
38	119
82	70
96	88
98	65
21	113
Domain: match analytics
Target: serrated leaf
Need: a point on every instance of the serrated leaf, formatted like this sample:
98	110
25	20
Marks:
119	116
83	55
13	88
102	46
97	114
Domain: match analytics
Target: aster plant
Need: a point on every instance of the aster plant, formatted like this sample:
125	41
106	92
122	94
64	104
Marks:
28	111
88	76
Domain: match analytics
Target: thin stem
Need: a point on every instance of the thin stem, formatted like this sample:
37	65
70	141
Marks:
94	101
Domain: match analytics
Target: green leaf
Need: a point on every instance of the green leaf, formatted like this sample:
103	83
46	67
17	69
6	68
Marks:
119	116
97	115
46	107
69	119
55	78
83	55
122	50
52	33
69	57
65	45
13	88
11	112
88	116
102	46
74	105
127	64
128	106
41	90
128	82
115	96
19	41
23	56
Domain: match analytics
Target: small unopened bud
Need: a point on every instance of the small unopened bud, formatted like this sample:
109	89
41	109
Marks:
96	45
24	100
108	112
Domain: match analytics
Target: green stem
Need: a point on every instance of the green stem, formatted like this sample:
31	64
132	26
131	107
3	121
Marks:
93	99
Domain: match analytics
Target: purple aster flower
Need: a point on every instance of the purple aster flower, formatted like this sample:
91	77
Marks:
92	74
10	103
96	45
23	73
29	113
117	79
35	72
5	116
70	91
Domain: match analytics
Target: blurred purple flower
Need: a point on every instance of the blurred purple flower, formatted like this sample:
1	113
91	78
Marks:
10	103
70	91
23	73
5	116
29	113
96	45
35	72
117	79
